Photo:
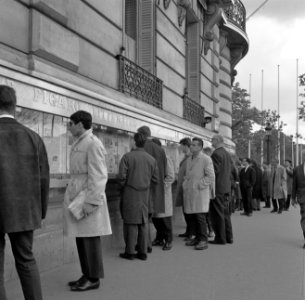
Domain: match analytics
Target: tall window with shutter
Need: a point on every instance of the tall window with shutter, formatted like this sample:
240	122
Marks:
140	33
193	61
131	28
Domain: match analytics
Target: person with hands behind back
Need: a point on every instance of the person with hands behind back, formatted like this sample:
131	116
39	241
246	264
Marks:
298	191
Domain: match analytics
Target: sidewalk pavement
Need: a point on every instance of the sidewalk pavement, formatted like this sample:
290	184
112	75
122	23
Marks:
266	262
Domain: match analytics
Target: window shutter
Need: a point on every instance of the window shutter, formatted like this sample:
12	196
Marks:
131	18
193	61
147	35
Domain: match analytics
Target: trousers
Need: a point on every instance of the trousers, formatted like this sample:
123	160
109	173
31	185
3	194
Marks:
90	256
164	229
199	226
135	234
221	218
22	243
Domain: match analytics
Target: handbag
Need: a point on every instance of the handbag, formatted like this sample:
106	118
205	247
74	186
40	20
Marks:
76	206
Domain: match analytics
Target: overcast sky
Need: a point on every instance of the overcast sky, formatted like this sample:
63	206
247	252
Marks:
277	37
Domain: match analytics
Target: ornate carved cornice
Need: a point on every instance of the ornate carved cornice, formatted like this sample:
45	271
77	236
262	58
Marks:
236	56
223	40
166	3
213	17
183	6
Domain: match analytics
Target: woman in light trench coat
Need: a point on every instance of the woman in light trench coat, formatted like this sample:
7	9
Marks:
198	185
279	186
88	178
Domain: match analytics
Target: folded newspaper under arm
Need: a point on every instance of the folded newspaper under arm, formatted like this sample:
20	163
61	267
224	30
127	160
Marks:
76	206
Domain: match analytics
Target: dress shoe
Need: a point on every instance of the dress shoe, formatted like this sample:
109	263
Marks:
273	211
243	214
157	243
249	215
211	234
189	238
85	286
217	242
142	256
167	246
192	242
127	256
78	281
230	241
304	246
183	235
202	245
279	212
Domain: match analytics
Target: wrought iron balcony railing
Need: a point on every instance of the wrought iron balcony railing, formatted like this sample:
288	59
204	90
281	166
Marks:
193	111
138	82
236	13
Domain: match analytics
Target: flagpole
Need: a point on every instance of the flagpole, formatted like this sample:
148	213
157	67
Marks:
278	113
249	141
250	78
297	115
262	107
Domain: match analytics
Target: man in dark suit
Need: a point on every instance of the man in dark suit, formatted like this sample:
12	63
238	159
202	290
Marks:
298	190
220	206
24	188
156	198
137	172
247	179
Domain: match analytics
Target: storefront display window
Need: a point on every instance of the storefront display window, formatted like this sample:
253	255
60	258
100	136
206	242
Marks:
116	142
58	140
53	130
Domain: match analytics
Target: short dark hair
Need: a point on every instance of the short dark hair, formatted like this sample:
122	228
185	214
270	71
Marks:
83	117
145	130
139	140
156	141
185	142
7	99
247	159
289	161
199	140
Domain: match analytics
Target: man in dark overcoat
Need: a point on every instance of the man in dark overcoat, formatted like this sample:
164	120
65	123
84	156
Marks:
247	178
138	171
24	188
298	190
220	206
156	198
289	171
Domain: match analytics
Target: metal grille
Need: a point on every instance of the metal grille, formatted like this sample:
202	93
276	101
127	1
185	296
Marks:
236	13
193	112
138	82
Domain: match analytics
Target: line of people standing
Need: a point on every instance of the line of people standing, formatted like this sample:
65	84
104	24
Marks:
271	184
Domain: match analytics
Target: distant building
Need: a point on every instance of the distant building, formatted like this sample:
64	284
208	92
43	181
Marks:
166	64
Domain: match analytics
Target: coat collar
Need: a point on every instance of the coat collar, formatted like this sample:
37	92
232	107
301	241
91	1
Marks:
7	120
83	136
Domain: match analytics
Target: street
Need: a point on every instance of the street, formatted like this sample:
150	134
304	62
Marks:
266	262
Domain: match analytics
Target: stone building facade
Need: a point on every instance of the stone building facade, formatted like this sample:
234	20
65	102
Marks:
168	64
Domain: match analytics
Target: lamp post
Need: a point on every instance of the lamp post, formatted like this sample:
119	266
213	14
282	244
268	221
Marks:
268	130
292	156
281	130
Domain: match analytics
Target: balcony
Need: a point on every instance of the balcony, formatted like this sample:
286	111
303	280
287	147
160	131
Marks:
193	112
235	27
236	13
139	83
